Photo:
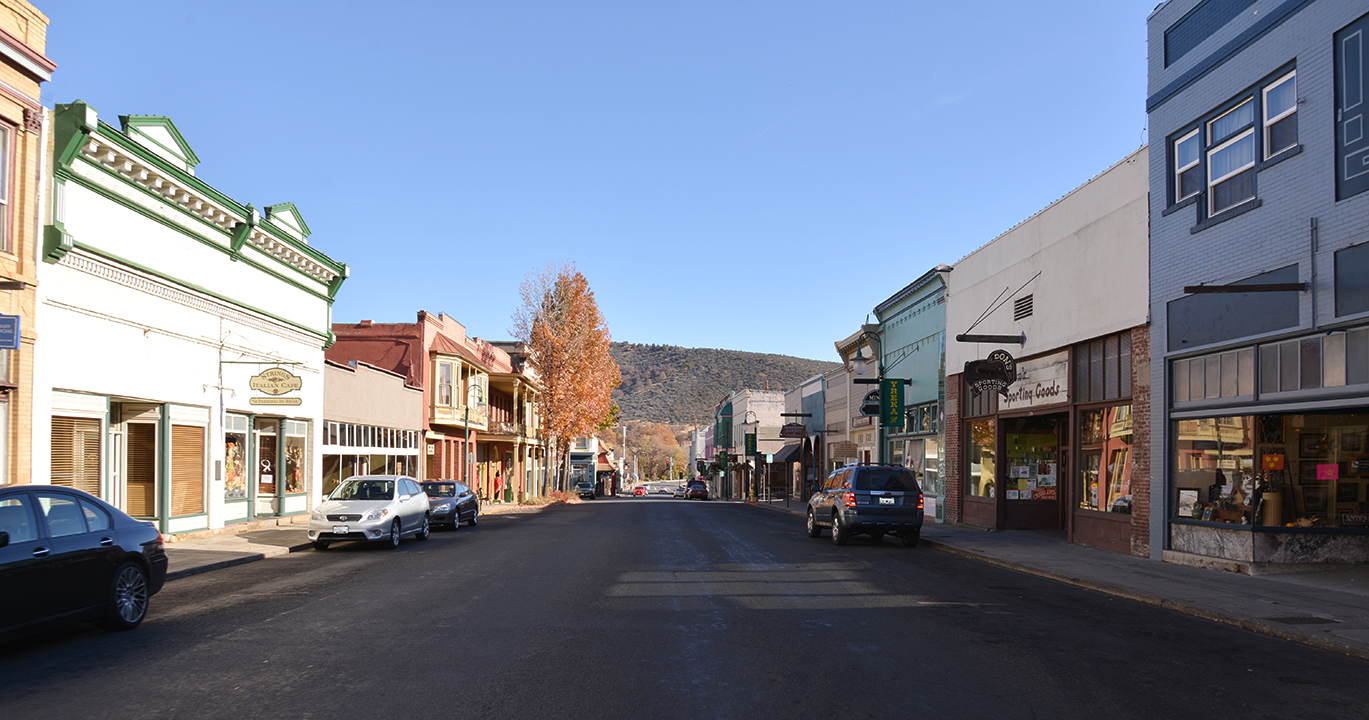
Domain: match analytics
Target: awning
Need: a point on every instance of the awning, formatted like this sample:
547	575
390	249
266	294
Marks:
788	453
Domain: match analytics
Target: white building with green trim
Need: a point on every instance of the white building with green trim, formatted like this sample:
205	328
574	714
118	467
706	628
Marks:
179	368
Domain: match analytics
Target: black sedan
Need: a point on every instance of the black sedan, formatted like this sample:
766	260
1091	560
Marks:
67	556
452	503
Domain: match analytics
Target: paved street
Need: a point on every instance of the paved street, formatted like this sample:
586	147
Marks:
665	609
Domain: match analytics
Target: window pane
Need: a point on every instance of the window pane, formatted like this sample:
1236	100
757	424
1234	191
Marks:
1196	373
1232	158
1227	125
1124	366
1245	361
1213	371
981	459
1186	151
1096	370
1110	388
1190	183
1081	373
1181	393
1310	351
1280	98
1269	368
1283	135
1229	375
1357	357
1288	366
1333	360
1233	192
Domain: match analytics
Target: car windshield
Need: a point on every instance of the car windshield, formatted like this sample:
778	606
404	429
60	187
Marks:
696	484
369	489
439	490
885	479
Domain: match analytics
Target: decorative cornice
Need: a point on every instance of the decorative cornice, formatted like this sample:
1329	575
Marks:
27	60
140	171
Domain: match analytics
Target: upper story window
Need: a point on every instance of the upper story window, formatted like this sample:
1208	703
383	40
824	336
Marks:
6	157
444	384
1280	115
1217	159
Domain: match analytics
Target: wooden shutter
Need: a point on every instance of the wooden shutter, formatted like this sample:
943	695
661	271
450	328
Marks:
76	453
140	472
187	470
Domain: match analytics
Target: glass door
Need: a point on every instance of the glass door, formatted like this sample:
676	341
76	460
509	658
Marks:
267	486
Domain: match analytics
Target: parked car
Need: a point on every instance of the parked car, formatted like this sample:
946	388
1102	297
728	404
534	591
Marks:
380	508
681	492
585	489
638	491
452	503
869	499
67	556
698	490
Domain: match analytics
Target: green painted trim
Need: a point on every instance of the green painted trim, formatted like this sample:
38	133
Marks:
76	121
176	281
274	210
68	175
164	468
56	243
183	149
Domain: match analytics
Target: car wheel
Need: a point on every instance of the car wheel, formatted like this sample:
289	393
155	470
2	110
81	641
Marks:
475	518
813	529
839	534
394	533
320	544
911	537
127	598
426	528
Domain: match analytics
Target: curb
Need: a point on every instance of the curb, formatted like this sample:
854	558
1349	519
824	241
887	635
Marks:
1244	623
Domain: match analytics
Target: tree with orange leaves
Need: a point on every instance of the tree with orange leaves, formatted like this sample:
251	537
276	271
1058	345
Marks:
568	340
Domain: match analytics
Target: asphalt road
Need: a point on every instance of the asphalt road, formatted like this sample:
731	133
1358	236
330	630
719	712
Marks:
657	608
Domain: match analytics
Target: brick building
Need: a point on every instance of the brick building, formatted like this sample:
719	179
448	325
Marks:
1259	267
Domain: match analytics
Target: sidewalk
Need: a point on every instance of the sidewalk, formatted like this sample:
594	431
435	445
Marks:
1323	606
205	550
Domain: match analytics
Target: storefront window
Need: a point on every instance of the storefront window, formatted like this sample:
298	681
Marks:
295	454
235	457
1033	451
1105	459
921	458
1215	469
980	480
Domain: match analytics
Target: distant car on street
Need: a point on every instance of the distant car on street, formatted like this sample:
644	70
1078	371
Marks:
870	499
452	503
638	491
697	490
681	492
372	508
67	556
585	490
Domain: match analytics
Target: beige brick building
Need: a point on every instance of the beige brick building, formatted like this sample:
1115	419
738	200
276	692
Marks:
23	137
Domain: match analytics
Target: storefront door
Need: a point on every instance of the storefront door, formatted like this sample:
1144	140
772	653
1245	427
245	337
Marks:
1035	452
266	488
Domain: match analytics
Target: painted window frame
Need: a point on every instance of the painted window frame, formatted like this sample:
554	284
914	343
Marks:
1216	144
1269	122
1192	166
8	137
444	384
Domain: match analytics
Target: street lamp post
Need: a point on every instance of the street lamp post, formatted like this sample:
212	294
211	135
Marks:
480	398
859	364
754	421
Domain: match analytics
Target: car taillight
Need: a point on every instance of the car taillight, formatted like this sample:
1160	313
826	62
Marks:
850	499
919	502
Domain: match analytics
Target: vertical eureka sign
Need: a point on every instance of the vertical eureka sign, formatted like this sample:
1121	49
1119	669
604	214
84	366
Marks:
274	383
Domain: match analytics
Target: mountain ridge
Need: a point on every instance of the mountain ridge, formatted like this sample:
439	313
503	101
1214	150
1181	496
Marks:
682	386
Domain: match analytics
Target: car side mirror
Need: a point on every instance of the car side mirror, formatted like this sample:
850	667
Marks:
404	498
4	538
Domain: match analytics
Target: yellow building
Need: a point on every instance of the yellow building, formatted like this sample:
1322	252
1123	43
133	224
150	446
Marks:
23	137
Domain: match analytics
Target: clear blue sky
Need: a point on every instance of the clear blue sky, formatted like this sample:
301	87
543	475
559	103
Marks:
748	175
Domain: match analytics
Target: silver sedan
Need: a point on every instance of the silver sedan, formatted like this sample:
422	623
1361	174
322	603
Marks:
381	508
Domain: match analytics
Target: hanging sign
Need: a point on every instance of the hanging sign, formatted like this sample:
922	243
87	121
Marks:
994	373
9	332
793	430
891	402
1040	381
870	405
275	382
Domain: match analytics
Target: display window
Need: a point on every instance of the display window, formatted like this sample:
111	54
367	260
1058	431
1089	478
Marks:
1032	448
1105	459
982	466
235	457
1275	470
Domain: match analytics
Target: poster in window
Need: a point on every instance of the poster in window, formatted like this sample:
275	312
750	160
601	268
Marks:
1314	498
1312	445
1347	492
1352	441
1188	499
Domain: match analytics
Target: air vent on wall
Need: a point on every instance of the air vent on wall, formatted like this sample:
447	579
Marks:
1022	308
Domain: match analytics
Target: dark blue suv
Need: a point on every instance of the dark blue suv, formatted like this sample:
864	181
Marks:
870	499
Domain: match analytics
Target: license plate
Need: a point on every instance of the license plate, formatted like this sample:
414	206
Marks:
886	501
340	530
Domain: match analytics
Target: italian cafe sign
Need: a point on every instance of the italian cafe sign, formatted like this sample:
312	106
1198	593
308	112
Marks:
275	382
1040	382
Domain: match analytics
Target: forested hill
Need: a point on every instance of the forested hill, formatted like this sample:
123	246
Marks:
680	386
